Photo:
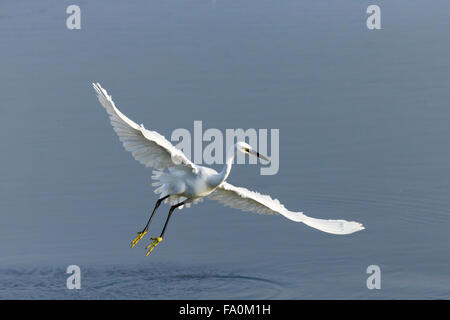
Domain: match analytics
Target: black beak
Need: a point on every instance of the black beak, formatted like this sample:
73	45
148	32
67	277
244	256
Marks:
259	155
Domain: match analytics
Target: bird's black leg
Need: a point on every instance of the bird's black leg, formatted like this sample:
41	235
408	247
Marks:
154	210
157	240
143	232
172	208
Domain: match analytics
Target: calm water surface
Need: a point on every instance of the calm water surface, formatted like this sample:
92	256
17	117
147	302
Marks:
364	135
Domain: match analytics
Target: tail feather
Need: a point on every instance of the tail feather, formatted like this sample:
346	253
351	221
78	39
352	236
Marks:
167	184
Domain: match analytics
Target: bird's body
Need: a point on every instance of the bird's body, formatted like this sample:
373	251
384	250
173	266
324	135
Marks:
180	182
192	185
186	184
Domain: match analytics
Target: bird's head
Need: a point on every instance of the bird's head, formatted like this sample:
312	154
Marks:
246	148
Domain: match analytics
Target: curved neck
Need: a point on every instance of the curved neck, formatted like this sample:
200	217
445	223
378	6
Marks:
229	162
223	175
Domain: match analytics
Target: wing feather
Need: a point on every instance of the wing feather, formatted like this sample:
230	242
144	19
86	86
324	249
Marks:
148	147
251	201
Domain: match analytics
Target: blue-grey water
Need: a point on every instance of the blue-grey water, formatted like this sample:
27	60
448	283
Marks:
364	135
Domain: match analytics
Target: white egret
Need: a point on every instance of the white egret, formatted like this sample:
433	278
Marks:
180	182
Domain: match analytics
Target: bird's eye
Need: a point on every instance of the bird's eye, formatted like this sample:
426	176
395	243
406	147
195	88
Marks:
246	149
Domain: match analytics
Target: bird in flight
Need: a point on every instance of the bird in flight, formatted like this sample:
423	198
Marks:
181	183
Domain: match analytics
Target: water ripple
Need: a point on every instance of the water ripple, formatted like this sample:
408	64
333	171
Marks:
128	282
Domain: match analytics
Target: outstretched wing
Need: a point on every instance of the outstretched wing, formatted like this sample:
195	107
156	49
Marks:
246	200
148	147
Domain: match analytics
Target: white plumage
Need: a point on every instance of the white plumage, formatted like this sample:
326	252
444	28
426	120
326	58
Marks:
148	147
180	180
251	201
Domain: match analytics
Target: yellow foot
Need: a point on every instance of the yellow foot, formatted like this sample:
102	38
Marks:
139	237
153	245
